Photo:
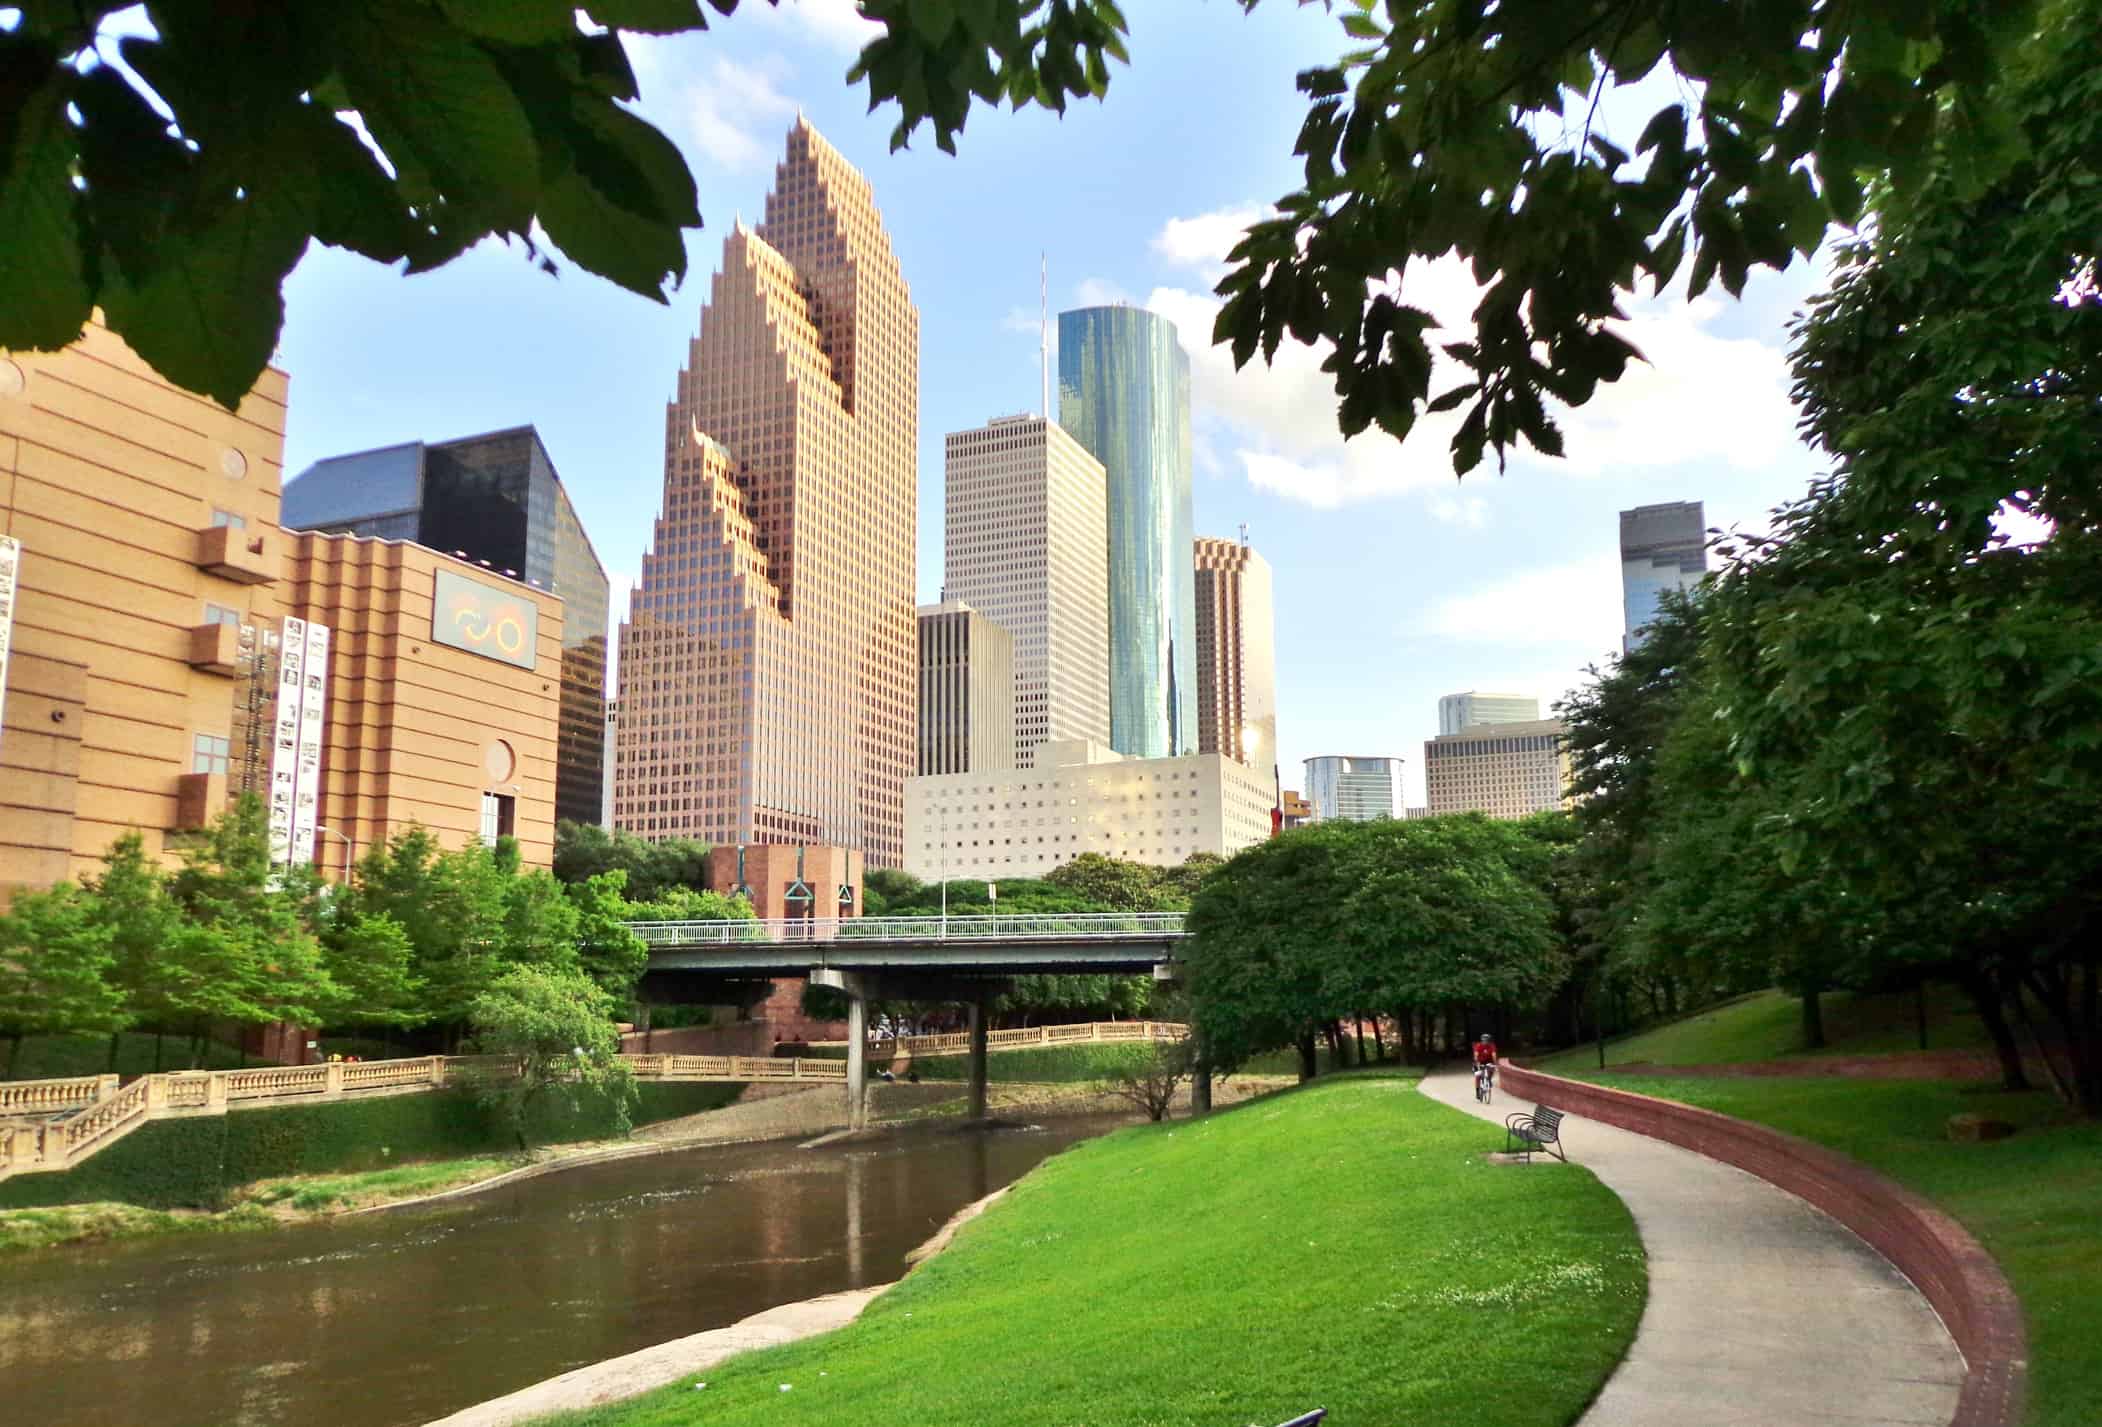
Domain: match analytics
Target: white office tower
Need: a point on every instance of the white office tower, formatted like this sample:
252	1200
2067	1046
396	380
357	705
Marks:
1474	708
1025	546
1354	789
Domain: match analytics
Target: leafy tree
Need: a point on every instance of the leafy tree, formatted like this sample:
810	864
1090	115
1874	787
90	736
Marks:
556	1026
885	887
1150	1082
129	900
1918	699
55	958
367	955
684	904
611	955
585	850
1454	127
453	908
540	922
1106	883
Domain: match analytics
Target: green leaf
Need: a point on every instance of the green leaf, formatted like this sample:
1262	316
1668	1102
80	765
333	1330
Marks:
934	19
432	96
207	316
612	241
47	294
651	17
518	22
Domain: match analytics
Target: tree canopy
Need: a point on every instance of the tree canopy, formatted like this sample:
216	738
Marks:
146	175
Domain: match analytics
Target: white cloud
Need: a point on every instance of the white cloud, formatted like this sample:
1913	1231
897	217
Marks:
1701	398
1204	241
834	24
731	116
1573	607
1471	511
1099	292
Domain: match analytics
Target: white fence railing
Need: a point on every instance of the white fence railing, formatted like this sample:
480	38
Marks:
1020	1038
1030	926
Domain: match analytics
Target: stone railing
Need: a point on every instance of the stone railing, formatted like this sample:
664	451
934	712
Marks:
50	1097
52	1125
1951	1269
959	1042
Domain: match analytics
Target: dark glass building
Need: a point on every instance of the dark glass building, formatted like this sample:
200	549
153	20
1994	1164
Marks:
497	500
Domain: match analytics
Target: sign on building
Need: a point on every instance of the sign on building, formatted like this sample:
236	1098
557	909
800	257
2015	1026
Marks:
484	619
10	577
295	743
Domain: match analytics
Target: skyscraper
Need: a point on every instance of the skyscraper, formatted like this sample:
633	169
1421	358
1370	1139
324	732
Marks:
1124	393
1354	789
967	691
1662	547
1236	652
1474	708
767	663
1023	545
495	500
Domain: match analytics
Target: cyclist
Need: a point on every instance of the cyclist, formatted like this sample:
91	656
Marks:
1485	1064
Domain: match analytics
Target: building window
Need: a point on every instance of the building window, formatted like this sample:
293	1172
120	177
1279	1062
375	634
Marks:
210	753
220	614
499	817
228	519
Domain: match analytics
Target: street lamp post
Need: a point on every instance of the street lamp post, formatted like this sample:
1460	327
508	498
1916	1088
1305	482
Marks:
349	849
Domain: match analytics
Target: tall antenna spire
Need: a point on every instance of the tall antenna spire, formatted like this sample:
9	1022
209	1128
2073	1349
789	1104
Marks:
1043	298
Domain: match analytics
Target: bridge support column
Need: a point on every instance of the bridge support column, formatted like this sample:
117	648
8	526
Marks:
978	1044
857	993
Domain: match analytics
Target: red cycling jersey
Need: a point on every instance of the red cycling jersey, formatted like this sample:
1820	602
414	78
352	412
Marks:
1485	1052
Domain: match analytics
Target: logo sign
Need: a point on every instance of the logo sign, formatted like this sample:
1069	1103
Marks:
485	620
10	576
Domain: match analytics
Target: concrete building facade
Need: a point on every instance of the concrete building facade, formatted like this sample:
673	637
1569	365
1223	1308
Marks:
1124	394
1507	770
967	691
1296	809
166	635
1356	789
1236	652
495	501
1662	547
1024	544
1472	709
768	662
1081	797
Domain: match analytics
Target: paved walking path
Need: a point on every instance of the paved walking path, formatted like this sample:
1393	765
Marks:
1763	1311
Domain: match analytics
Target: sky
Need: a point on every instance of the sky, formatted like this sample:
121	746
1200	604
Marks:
1395	583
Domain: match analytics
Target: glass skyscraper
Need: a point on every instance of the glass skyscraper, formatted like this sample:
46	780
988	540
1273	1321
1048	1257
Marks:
1662	547
1124	394
496	500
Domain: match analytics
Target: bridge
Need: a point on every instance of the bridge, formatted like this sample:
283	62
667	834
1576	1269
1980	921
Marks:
929	958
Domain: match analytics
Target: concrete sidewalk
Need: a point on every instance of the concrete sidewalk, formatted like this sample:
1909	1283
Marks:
1762	1312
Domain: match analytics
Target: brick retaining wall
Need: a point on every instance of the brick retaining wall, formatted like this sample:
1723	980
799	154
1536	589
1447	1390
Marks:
1954	1272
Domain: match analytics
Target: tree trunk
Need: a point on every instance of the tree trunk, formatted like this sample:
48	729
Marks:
1361	1038
1308	1064
1992	1013
1405	1034
1813	1020
1379	1042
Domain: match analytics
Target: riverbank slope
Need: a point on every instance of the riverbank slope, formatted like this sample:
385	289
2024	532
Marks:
1336	1246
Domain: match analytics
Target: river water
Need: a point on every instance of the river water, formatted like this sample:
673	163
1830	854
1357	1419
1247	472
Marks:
393	1319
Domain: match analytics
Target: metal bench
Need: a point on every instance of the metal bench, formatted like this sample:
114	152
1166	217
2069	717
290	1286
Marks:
1541	1130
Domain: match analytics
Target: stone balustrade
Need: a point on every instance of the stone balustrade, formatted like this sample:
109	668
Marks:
55	1124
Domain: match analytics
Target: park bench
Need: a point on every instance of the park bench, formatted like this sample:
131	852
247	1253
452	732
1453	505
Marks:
1541	1130
1307	1419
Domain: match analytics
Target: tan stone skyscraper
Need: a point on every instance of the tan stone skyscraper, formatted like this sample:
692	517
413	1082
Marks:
1236	652
768	660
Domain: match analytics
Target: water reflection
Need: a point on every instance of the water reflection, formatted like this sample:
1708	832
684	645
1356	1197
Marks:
399	1318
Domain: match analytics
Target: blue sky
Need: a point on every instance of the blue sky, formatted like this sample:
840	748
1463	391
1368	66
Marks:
1395	584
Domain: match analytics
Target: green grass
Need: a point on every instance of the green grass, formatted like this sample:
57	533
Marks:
1769	1026
1342	1245
1090	1061
2031	1200
318	1193
22	1230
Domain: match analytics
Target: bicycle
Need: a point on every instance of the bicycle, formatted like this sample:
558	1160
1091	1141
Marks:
1484	1082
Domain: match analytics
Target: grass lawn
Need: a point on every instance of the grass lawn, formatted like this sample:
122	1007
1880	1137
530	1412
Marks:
1769	1026
2032	1200
316	1193
1089	1061
1340	1245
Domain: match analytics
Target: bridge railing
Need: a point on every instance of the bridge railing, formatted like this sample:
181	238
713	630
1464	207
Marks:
1027	926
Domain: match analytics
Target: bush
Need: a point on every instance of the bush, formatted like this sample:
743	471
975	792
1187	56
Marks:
196	1164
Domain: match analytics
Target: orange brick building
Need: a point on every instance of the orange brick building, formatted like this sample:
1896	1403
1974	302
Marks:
150	580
